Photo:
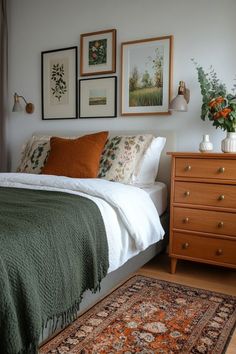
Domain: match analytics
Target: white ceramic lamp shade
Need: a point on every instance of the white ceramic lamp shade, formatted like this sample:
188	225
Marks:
180	102
17	107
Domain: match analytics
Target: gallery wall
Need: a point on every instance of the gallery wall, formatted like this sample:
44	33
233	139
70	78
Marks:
202	29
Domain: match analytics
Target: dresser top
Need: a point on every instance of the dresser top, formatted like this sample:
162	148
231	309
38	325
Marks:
203	155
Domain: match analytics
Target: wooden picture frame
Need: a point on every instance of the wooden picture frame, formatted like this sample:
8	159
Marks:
59	83
146	76
98	53
98	97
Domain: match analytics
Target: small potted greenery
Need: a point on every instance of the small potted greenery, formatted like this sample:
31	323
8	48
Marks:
218	106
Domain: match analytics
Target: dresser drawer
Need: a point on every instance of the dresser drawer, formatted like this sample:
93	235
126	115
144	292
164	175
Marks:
205	168
218	195
216	222
204	248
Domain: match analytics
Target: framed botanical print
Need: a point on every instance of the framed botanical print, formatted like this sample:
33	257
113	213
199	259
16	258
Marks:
59	84
98	97
146	76
98	52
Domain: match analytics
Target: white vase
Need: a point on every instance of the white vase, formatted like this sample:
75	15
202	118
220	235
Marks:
229	143
205	144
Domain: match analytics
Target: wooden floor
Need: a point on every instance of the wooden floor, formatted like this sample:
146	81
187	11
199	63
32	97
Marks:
197	275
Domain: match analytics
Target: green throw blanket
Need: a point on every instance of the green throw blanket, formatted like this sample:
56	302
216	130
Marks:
53	247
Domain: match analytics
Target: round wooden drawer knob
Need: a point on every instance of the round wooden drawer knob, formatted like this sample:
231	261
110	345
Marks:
221	170
219	252
221	197
185	245
188	168
221	224
186	220
187	194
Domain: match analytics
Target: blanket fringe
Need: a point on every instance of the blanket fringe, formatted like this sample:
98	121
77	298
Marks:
70	314
32	349
66	316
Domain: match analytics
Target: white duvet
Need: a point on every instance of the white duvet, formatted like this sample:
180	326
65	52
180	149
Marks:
130	217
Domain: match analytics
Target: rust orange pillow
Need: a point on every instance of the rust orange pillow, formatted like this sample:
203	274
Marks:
76	158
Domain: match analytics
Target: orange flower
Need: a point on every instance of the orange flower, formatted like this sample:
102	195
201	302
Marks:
212	103
216	115
220	99
216	101
222	114
225	112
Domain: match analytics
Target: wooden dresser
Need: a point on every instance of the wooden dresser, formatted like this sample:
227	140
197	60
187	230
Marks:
203	208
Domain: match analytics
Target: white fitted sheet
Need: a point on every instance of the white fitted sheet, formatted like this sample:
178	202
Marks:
158	194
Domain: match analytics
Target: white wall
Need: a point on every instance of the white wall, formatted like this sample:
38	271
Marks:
203	29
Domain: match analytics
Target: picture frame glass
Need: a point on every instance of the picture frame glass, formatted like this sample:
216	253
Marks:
146	76
59	84
98	51
98	97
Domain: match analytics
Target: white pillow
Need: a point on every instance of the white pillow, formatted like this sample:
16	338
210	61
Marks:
147	170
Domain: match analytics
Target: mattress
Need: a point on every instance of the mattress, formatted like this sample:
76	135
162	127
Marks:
158	194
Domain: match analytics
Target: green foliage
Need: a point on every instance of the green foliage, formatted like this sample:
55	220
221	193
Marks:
157	65
146	97
60	87
134	79
217	105
146	80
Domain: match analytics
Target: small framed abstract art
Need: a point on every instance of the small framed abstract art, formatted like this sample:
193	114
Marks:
59	84
98	53
98	97
146	76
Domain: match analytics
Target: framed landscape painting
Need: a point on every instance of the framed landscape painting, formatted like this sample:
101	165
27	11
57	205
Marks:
98	97
98	52
59	83
146	76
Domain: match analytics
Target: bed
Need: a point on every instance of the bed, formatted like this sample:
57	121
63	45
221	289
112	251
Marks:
128	212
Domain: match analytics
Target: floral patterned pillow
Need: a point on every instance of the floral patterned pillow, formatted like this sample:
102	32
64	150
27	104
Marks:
121	156
34	155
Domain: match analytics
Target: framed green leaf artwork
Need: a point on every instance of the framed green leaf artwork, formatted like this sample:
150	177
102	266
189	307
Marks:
98	52
146	76
59	84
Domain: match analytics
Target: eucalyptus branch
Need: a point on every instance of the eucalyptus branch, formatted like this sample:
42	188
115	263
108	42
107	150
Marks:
217	105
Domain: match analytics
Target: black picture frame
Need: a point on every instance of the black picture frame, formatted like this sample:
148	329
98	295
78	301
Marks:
59	73
98	97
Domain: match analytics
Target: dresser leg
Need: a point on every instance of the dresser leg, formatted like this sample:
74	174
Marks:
173	265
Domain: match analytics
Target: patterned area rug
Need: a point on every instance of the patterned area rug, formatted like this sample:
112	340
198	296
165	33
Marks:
148	316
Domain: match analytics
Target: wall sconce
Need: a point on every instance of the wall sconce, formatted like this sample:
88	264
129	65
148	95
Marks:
180	102
17	107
